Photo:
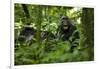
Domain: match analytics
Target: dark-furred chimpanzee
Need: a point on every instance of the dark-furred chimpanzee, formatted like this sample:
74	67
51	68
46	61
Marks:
26	34
68	31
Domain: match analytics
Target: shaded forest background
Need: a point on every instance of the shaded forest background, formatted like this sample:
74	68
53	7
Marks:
47	18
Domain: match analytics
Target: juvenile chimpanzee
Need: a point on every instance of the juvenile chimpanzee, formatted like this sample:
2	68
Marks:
26	34
68	31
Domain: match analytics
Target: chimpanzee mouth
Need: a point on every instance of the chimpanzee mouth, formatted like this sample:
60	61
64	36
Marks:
65	27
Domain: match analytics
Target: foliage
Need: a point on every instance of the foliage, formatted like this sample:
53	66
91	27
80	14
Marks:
47	18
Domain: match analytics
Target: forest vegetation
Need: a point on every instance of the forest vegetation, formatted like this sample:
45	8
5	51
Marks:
48	49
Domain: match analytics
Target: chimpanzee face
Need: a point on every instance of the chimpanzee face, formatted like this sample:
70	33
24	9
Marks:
64	22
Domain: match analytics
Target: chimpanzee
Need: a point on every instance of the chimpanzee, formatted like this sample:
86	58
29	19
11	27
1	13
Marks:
26	34
68	31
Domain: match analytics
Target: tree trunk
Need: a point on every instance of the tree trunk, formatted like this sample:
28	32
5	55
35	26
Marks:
87	31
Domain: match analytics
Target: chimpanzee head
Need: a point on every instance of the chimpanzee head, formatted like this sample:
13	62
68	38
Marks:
27	33
65	23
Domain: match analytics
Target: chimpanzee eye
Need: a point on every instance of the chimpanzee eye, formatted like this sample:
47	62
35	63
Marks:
65	18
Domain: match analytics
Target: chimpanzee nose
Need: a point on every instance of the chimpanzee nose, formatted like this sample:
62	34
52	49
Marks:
65	23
